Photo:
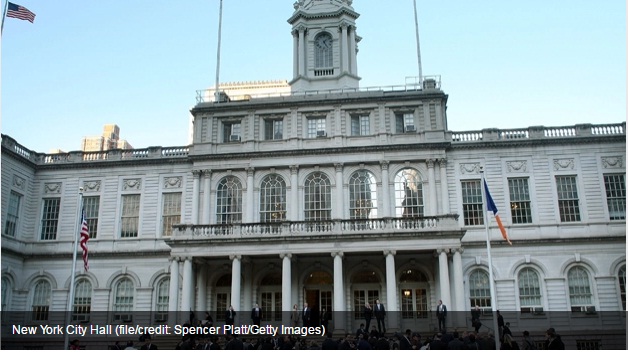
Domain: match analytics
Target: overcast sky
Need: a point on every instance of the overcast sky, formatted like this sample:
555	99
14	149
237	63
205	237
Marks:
138	63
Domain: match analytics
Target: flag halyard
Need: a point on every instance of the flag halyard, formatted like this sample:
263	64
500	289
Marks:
490	204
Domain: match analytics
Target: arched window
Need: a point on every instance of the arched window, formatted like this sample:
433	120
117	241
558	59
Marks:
323	51
408	194
82	301
6	297
362	195
529	290
162	299
229	201
480	289
124	293
317	196
41	300
621	277
580	295
272	199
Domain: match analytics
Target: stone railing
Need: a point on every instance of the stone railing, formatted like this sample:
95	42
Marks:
539	132
317	228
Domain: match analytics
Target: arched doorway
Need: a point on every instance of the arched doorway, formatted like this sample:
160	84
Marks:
223	297
317	292
366	286
270	297
414	288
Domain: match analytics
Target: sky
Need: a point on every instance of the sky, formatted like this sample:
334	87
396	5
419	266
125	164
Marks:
138	63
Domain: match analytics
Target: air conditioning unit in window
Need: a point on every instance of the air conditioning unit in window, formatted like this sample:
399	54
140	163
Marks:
410	128
537	311
321	134
234	138
589	310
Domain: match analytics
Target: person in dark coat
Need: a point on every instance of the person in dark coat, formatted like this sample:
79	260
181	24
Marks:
437	343
329	343
368	315
234	343
553	341
256	315
456	343
380	314
230	316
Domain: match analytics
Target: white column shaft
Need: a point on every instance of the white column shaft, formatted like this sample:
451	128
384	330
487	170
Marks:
196	186
207	198
444	188
250	206
188	286
301	54
339	193
433	206
173	300
352	52
458	282
294	194
443	272
345	49
236	269
201	283
385	192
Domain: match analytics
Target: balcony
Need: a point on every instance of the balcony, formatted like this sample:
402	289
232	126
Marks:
442	225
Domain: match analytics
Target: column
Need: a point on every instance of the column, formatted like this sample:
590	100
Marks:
173	300
295	54
250	204
458	287
443	276
301	49
386	211
236	269
391	291
344	48
339	193
339	294
207	196
187	286
433	206
201	283
444	187
196	174
293	214
247	295
352	51
286	287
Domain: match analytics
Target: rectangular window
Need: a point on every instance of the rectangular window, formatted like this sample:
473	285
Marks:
360	125
273	129
405	123
472	209
91	206
171	212
232	132
130	215
10	226
316	127
520	209
616	196
360	297
568	202
50	218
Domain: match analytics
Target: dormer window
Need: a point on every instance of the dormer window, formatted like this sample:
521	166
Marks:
404	122
232	132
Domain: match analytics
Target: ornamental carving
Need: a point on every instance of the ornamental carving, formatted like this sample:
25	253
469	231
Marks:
172	182
52	188
611	162
91	186
564	164
19	182
517	166
132	184
470	168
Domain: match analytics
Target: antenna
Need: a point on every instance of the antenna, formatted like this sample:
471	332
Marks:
418	46
217	92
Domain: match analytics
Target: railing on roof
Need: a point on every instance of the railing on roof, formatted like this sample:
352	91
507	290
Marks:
536	132
429	82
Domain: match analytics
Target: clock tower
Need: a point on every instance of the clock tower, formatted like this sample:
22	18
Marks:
325	45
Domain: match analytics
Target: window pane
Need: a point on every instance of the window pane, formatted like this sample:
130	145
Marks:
622	285
171	212
362	195
616	196
568	202
479	289
82	301
91	206
314	125
163	296
317	197
50	218
229	201
123	300
408	194
579	287
519	201
472	208
272	199
130	215
323	51
13	211
529	288
41	300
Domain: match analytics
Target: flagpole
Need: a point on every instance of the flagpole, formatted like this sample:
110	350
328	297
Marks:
4	14
418	46
490	263
217	92
68	312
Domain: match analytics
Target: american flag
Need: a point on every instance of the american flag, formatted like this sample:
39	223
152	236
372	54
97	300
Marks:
21	12
84	239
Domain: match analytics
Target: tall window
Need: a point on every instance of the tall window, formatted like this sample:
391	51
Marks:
171	212
529	290
91	206
408	194
323	51
520	209
13	211
229	201
568	202
272	199
480	289
316	127
50	218
405	123
621	277
616	196
161	303
360	125
317	194
130	215
232	131
273	129
41	300
6	297
82	301
580	295
360	297
124	293
362	195
472	209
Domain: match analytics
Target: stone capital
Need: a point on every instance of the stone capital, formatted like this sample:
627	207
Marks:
285	255
442	250
207	173
390	252
294	169
250	171
338	167
337	254
384	164
235	256
196	173
442	162
430	163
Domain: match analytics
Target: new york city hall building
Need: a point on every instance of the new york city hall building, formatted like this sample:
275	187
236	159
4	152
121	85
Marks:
332	195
